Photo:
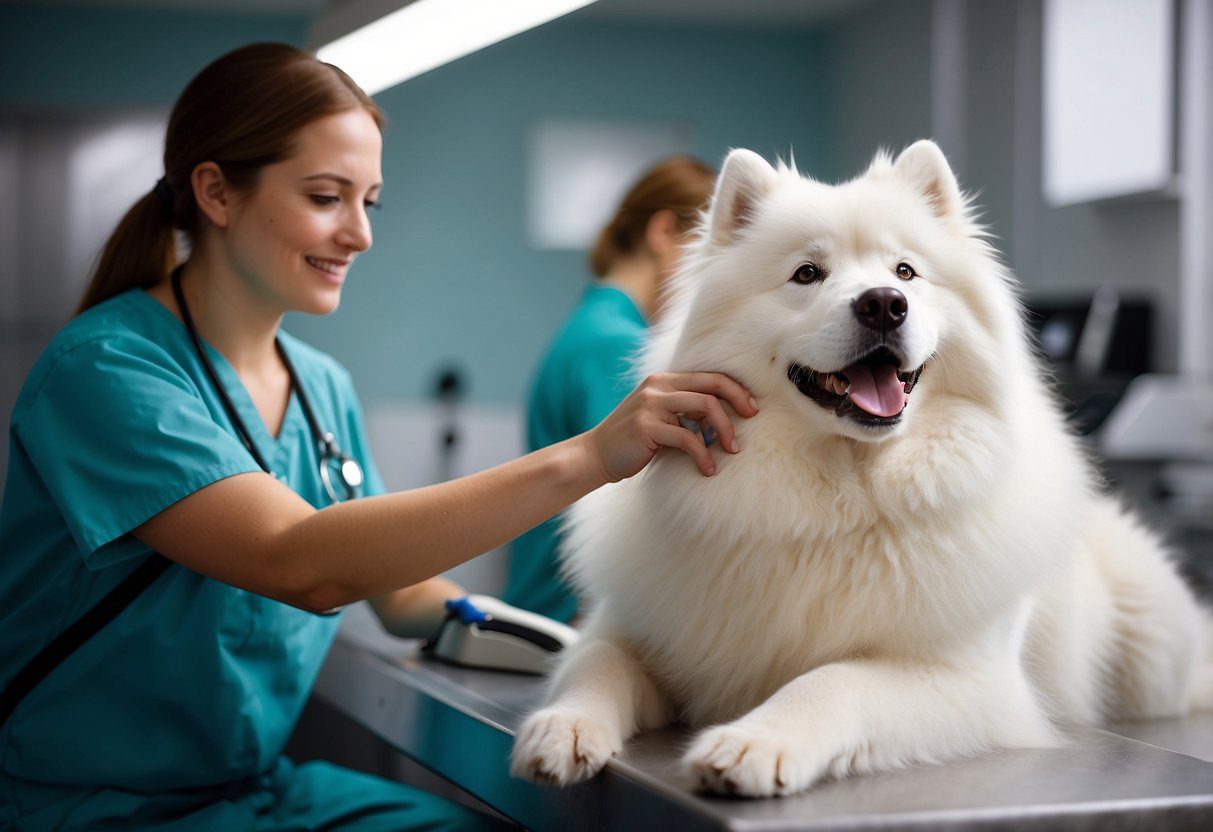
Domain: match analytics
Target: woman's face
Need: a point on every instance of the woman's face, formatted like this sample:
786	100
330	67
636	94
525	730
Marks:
292	240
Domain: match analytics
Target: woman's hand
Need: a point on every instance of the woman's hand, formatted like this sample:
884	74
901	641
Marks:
648	419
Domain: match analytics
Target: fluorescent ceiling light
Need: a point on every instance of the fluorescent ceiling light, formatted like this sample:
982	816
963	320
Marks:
428	33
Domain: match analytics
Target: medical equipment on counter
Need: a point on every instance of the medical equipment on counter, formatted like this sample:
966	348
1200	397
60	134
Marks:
480	631
1161	417
1168	420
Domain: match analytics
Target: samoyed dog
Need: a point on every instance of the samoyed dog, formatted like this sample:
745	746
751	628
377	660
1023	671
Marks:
910	559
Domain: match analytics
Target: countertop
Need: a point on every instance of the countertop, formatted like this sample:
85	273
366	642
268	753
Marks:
460	723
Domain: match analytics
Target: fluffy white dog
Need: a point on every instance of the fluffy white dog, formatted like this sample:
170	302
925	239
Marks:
867	584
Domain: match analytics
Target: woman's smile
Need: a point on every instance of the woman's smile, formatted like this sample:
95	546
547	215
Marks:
333	270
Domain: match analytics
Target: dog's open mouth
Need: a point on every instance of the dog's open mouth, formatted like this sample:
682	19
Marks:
873	391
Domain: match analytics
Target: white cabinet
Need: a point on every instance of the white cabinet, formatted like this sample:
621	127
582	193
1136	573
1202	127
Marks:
1109	99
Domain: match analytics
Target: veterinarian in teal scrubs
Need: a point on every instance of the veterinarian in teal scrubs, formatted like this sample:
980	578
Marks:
116	422
590	366
173	416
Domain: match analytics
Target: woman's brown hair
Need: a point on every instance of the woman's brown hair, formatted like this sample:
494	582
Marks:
242	112
680	184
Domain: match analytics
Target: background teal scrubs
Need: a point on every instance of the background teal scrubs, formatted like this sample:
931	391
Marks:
175	714
586	373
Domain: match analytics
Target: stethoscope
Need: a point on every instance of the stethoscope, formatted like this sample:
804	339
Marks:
340	474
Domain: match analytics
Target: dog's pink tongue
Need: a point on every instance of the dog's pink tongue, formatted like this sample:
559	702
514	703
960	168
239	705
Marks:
878	391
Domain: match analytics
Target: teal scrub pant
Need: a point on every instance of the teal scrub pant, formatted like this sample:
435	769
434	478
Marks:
315	796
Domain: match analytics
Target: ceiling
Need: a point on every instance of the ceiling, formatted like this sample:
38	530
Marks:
732	12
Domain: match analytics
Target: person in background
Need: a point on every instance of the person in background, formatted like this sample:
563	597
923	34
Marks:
190	495
588	369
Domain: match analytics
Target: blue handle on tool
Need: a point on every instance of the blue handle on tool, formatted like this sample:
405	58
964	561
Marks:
467	611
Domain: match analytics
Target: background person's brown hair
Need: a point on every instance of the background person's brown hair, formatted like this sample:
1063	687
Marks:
680	184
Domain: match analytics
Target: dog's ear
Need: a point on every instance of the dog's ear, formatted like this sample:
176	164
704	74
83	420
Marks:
923	165
745	178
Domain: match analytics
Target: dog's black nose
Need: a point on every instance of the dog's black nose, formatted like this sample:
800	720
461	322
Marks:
882	309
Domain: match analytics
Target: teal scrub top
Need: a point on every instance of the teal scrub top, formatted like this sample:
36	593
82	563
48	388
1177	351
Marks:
587	371
197	684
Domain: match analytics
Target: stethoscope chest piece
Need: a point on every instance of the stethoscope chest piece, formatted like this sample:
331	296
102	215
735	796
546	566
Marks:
352	472
341	475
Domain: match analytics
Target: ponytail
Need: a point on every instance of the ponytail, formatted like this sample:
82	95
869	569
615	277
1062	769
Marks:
614	240
141	252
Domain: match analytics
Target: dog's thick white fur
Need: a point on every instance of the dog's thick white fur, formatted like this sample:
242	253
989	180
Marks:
858	590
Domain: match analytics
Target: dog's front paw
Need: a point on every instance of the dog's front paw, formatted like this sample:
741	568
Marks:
562	747
749	760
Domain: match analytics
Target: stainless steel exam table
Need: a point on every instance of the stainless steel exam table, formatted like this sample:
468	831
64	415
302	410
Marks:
460	723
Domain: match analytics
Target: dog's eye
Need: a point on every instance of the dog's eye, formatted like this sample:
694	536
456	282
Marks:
808	273
906	272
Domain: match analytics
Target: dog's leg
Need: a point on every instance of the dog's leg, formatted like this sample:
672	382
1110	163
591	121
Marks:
868	715
600	696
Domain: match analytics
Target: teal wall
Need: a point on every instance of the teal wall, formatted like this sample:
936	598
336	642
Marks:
59	58
451	277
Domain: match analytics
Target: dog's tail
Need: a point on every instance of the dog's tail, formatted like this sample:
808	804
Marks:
1200	694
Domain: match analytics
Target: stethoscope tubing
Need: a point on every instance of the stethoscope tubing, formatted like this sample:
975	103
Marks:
326	444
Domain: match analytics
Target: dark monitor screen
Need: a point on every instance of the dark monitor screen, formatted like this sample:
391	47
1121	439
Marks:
1057	325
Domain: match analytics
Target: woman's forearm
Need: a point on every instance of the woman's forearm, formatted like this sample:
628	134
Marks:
365	548
251	531
416	611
